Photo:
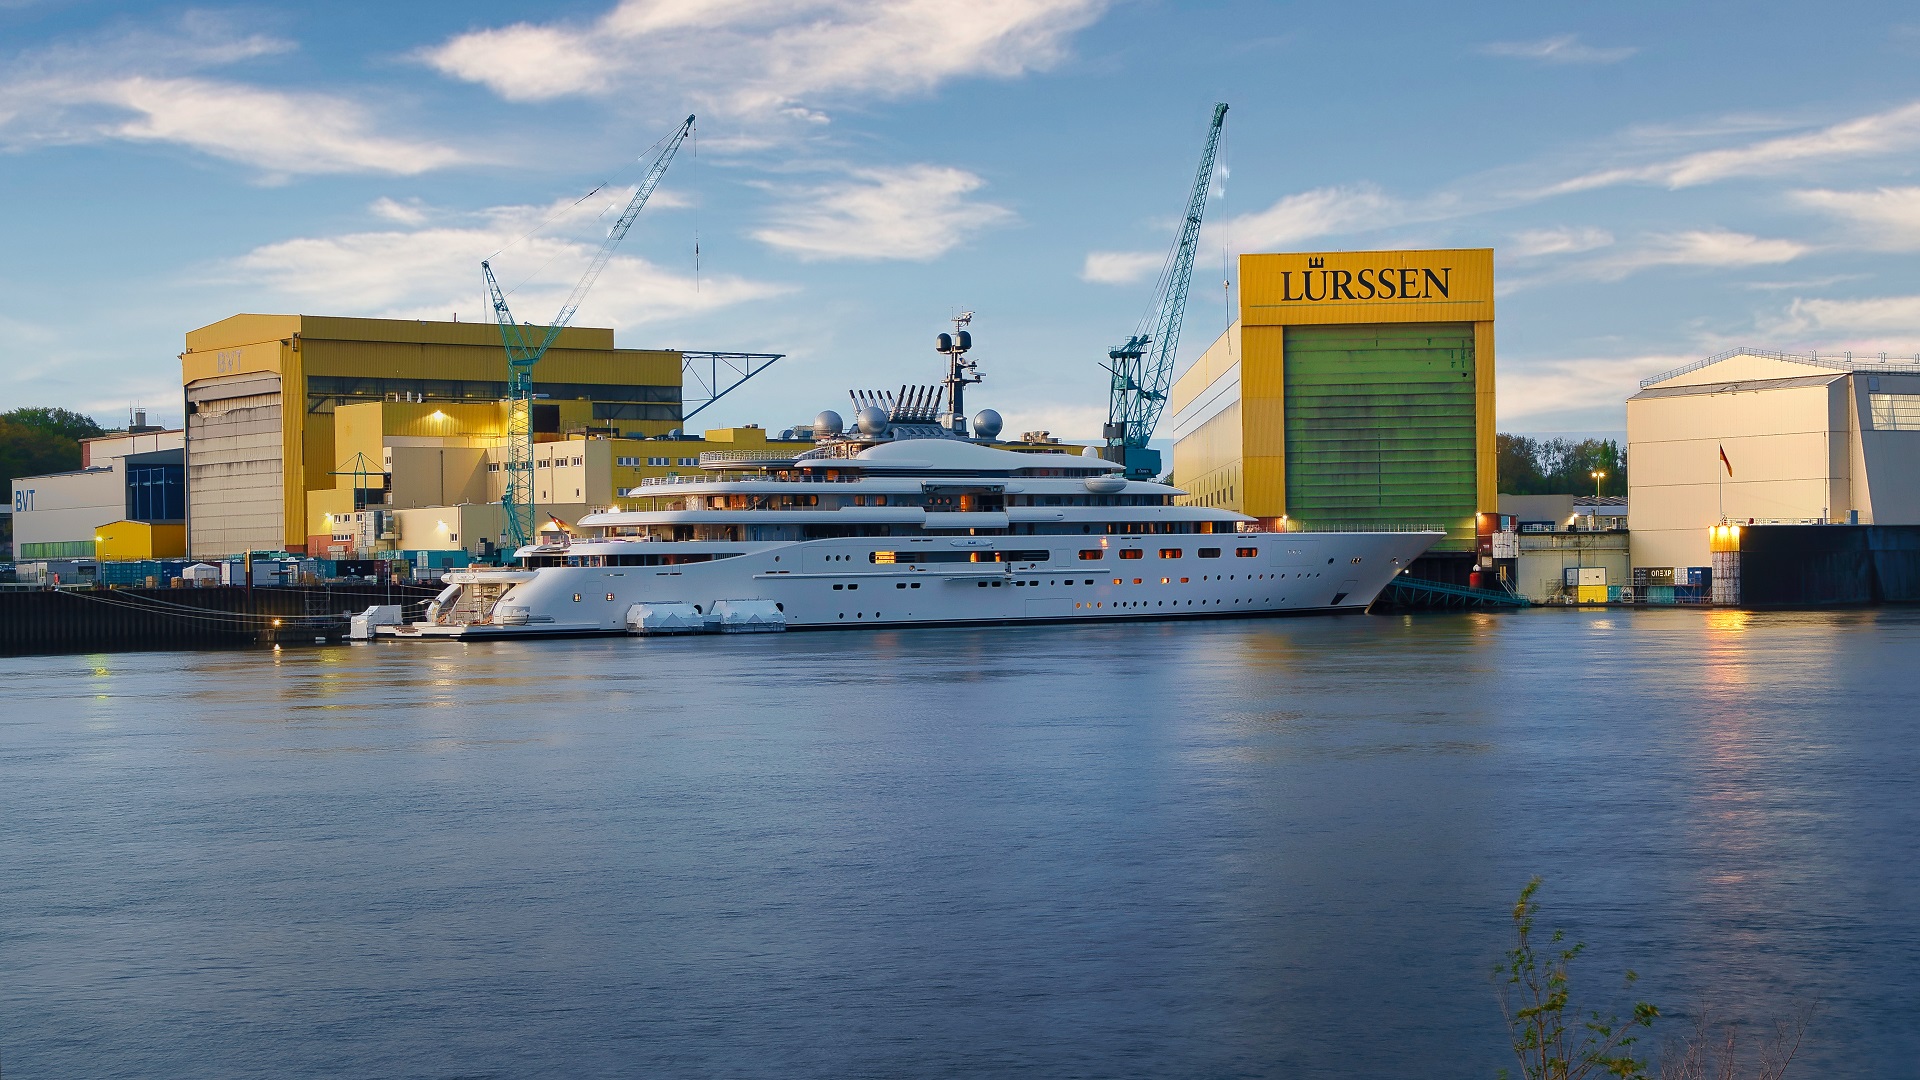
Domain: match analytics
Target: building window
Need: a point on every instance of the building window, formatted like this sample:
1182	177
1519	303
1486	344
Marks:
630	462
689	461
1895	412
658	461
579	461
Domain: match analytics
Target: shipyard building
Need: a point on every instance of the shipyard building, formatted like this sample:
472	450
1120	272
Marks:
313	434
1751	437
127	500
1355	390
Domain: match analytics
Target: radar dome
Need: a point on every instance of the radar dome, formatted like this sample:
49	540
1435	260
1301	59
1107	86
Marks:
873	420
828	423
1089	451
986	424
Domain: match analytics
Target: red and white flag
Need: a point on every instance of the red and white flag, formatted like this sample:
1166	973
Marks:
1724	461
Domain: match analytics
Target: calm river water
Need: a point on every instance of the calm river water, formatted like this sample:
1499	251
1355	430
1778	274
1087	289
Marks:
1260	848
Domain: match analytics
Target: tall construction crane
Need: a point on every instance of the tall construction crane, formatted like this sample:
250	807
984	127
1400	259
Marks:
522	354
1143	368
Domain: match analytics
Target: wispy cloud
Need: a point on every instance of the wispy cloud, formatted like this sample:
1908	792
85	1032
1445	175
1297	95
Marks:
1560	240
1562	49
143	86
1320	212
1120	267
1687	248
430	269
1885	218
1531	388
784	57
913	212
1855	322
1892	131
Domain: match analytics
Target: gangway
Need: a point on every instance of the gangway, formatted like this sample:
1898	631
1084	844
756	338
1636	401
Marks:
1407	591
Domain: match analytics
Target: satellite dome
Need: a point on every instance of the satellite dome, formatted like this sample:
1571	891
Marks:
986	424
828	423
1089	451
873	420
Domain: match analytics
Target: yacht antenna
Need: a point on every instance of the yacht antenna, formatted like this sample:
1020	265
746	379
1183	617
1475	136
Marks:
960	370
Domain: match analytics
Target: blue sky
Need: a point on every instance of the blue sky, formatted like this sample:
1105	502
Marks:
1659	181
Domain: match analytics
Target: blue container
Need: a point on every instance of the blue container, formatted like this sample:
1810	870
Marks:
1699	576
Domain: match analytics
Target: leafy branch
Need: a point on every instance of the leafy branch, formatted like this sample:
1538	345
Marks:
1546	1034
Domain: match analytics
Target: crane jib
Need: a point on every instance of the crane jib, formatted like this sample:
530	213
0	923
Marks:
1144	376
521	357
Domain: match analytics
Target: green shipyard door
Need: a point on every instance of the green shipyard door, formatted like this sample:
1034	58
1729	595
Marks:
1380	426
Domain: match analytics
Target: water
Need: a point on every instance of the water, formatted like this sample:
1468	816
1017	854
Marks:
1261	848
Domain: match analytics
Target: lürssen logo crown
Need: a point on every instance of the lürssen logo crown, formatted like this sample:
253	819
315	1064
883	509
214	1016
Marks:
1316	264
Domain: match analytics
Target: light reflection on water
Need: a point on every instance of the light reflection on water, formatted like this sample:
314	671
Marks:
1277	847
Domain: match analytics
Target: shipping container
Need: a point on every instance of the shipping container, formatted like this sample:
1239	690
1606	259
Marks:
1659	594
1592	594
1699	576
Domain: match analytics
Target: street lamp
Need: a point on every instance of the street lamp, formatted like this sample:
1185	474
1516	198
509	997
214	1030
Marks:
1598	476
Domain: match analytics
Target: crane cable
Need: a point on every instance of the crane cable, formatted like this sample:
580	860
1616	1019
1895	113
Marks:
1226	223
697	170
568	209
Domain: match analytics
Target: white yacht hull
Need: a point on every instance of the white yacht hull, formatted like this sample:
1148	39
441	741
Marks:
835	584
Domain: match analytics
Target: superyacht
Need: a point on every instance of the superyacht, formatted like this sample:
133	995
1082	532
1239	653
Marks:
911	516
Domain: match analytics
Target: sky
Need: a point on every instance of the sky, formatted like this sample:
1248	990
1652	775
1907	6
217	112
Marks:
1659	182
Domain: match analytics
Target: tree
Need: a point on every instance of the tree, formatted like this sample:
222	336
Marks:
61	423
1535	997
1519	464
39	440
1559	466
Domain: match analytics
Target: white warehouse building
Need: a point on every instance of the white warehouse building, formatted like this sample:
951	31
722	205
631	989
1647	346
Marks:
1806	440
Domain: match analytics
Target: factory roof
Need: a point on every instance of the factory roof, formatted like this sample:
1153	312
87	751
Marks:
1879	363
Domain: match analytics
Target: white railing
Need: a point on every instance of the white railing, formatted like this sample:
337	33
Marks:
1845	361
720	457
1356	527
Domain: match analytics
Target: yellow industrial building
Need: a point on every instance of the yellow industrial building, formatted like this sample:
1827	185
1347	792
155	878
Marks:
1355	389
292	418
420	477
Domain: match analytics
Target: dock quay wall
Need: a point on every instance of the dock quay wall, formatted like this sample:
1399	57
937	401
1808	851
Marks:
1829	565
111	619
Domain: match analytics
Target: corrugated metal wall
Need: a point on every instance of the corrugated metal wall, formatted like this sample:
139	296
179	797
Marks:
1381	425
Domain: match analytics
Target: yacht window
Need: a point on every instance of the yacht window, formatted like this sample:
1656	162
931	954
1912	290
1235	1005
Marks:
1131	553
1090	554
1169	553
1209	553
1246	553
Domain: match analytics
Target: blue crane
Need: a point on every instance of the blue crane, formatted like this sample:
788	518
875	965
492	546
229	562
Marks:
522	354
1143	368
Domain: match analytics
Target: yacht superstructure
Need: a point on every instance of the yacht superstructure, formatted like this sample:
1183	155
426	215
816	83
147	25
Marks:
909	518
